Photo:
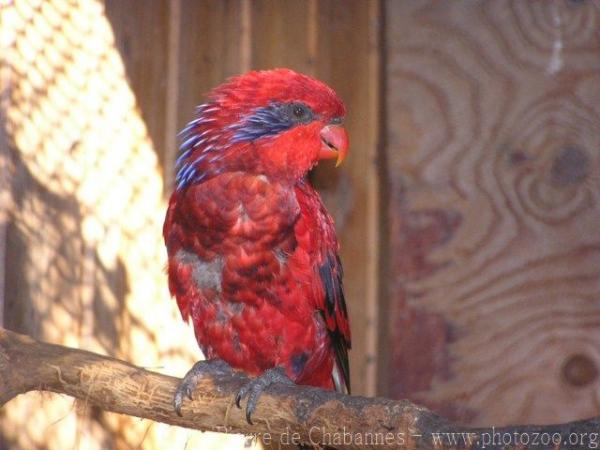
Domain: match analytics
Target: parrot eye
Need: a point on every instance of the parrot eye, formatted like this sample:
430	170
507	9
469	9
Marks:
301	113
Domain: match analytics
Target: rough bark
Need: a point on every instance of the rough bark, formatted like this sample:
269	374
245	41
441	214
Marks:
285	414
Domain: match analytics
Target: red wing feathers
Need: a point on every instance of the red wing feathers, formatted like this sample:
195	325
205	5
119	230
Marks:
329	299
336	317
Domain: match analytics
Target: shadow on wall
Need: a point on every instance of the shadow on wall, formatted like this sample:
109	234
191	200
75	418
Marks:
54	281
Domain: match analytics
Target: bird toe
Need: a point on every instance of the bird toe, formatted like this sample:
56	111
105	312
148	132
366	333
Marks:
216	367
255	387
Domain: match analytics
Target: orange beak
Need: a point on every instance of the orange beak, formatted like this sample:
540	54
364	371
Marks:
334	143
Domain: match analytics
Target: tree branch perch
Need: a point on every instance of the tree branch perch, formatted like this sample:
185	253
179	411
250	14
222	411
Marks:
293	413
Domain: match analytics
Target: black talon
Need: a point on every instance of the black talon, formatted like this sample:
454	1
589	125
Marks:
213	367
254	389
249	412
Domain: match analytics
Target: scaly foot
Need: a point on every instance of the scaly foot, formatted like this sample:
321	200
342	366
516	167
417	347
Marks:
212	367
255	387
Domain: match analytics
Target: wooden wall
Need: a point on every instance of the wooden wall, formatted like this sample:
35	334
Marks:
93	95
493	178
201	43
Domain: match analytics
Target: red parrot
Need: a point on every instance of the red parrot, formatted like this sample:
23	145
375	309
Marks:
252	252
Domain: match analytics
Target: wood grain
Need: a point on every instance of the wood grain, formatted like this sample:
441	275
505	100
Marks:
283	34
493	171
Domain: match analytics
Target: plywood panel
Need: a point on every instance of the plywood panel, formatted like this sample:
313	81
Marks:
493	179
210	49
284	34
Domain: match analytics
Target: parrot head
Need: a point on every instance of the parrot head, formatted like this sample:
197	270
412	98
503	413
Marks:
277	123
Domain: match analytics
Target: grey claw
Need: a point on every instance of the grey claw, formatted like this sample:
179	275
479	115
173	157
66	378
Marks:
249	410
191	379
177	401
254	389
